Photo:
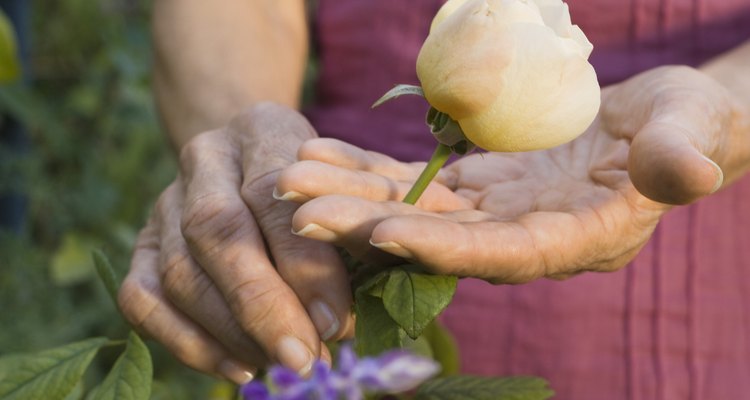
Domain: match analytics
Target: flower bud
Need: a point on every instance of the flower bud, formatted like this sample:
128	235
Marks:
514	74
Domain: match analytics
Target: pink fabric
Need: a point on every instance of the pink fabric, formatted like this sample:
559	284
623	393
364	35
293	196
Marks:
675	324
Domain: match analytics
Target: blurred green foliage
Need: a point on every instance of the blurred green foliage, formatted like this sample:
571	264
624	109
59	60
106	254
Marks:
96	164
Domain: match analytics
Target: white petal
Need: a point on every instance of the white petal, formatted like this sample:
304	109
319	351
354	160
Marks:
557	17
586	47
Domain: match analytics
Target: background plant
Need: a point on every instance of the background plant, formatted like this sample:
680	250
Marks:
96	163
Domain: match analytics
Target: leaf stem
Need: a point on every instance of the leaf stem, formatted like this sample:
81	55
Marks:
438	159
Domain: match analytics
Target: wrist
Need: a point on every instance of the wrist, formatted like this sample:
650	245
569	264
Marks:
730	70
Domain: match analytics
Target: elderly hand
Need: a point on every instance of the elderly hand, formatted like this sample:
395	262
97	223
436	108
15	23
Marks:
217	277
589	205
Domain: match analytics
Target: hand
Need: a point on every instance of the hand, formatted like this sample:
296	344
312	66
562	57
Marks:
589	205
216	275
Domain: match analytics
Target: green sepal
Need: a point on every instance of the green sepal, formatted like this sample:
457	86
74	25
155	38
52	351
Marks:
448	132
398	91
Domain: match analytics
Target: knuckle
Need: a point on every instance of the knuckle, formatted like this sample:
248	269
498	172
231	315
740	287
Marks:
212	219
256	303
189	347
194	149
202	144
259	190
180	280
136	301
165	201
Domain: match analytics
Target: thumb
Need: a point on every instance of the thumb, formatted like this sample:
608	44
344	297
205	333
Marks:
665	165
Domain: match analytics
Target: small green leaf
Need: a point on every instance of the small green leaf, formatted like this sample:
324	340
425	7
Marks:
481	388
130	377
444	348
10	68
375	330
106	274
49	374
399	90
413	298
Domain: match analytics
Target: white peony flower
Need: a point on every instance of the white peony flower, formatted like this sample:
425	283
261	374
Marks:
513	74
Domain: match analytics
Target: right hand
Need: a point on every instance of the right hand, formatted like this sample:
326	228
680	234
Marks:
217	277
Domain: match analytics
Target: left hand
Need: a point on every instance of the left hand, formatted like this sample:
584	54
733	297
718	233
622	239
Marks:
665	137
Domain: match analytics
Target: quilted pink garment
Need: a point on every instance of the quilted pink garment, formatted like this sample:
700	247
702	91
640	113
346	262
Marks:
675	324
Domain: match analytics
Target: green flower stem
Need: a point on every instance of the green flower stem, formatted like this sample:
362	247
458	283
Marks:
438	159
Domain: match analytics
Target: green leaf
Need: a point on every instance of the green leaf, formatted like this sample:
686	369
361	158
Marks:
444	348
71	263
399	90
130	377
49	374
10	69
481	388
375	330
106	274
413	298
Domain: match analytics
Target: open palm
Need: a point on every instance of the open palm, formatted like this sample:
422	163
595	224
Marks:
517	217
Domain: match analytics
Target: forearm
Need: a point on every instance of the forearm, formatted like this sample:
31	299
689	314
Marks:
215	58
731	71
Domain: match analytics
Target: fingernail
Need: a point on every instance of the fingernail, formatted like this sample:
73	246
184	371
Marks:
393	248
315	231
232	371
289	196
295	355
719	174
324	319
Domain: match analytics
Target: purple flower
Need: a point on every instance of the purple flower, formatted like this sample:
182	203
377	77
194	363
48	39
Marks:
255	391
393	372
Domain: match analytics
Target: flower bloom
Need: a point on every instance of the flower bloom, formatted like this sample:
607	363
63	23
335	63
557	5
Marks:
393	372
514	74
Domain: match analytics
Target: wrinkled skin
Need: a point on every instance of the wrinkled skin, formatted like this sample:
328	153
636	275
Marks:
219	279
217	276
589	205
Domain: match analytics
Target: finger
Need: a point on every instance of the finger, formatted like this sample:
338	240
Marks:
348	221
536	245
345	221
224	239
144	305
312	269
676	120
342	154
666	166
191	290
310	179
